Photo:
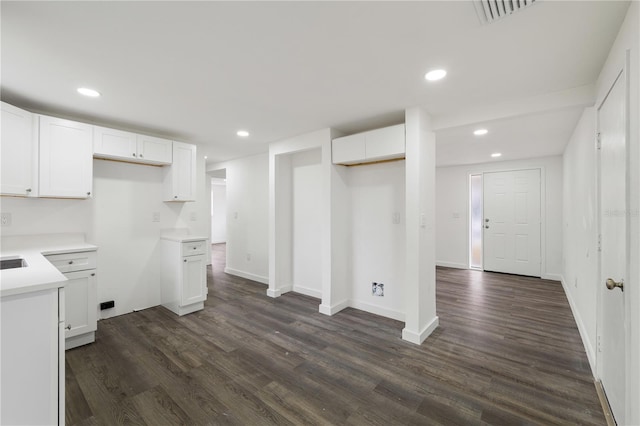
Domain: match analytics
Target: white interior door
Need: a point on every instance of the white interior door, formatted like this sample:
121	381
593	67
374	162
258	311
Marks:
512	222
614	241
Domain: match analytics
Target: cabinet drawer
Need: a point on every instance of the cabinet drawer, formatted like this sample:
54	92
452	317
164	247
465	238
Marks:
194	247
69	262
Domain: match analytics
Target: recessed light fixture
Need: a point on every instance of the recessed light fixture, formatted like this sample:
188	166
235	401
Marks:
496	154
435	75
205	157
242	133
88	92
480	132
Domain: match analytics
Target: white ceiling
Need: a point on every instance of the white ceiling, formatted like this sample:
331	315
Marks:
199	71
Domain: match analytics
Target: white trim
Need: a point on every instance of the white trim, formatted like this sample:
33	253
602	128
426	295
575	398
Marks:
418	338
456	265
307	291
588	347
552	277
377	310
247	275
332	310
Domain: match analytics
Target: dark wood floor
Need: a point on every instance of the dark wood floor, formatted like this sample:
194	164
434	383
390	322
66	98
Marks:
507	352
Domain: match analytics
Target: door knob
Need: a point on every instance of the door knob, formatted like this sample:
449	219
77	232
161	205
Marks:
68	327
611	284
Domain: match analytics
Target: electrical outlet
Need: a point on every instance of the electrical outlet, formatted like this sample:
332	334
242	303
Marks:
248	257
377	289
155	217
193	216
395	219
5	219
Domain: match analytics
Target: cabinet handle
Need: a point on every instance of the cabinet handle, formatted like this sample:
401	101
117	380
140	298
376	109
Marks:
68	327
134	154
195	248
28	189
185	261
141	156
71	262
88	193
93	275
175	196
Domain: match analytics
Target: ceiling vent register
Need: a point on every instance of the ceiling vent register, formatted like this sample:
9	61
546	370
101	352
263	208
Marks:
492	10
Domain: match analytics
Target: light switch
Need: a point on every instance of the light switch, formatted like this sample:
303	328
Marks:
423	220
396	218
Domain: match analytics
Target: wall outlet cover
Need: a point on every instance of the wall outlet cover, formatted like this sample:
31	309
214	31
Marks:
5	219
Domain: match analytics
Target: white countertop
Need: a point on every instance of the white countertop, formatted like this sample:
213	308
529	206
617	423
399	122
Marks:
39	274
183	238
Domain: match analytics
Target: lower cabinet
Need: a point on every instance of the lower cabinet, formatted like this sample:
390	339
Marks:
81	307
184	275
32	387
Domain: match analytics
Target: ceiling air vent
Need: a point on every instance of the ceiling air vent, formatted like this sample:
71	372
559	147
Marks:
492	10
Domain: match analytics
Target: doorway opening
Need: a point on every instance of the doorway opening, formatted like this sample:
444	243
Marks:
475	222
218	180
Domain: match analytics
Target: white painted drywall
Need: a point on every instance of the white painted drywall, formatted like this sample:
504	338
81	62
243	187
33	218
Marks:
119	220
247	216
580	256
452	217
306	182
377	192
628	42
218	211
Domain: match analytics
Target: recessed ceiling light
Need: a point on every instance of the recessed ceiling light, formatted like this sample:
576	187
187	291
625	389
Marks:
88	92
242	133
480	132
205	157
434	75
496	154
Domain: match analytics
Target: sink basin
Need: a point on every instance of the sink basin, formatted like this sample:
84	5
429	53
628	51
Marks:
12	263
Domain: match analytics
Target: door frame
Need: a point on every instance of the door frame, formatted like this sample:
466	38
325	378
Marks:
599	292
543	213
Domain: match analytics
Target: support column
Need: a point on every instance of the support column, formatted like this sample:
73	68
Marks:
421	319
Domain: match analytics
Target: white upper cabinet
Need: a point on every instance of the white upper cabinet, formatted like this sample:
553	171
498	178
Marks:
19	153
376	145
126	146
115	144
180	177
349	149
66	158
154	150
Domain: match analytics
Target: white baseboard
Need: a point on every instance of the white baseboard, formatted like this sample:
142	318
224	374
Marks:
373	309
553	277
308	291
588	347
277	292
451	264
332	310
247	275
418	338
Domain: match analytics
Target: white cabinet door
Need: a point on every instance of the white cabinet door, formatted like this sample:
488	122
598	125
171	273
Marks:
18	150
116	144
348	149
194	279
30	359
66	158
154	150
81	306
385	144
180	177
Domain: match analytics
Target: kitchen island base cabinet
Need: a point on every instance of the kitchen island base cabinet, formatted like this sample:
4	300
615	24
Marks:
184	275
32	365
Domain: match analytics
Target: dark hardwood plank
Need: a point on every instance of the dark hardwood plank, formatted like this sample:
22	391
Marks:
507	352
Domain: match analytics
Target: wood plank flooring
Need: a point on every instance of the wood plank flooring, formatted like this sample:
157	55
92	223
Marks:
507	352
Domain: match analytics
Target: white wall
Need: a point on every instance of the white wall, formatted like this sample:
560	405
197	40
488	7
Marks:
452	215
377	192
118	219
247	216
306	182
581	207
218	211
580	257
